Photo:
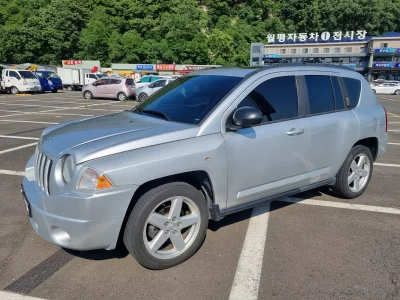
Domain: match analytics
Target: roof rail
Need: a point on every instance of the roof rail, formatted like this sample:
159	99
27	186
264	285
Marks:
306	64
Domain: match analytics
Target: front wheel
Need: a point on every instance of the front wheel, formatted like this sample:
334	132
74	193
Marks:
142	97
355	173
121	97
88	95
397	92
14	90
167	225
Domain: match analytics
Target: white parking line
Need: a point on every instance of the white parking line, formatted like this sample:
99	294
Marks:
397	144
12	296
387	165
19	137
247	278
42	113
393	122
393	130
17	148
8	172
32	122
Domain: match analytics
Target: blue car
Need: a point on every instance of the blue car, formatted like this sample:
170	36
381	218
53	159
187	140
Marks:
49	81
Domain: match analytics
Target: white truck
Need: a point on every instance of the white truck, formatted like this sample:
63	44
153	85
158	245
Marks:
74	79
17	81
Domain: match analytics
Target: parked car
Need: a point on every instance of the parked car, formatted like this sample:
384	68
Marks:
145	91
110	87
16	81
49	81
209	144
387	88
145	80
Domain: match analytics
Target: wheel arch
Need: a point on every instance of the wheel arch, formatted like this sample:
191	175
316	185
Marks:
198	179
371	143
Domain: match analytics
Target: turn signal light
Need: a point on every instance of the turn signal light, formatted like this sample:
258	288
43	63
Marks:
103	183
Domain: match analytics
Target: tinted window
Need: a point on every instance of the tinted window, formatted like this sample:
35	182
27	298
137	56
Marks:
129	82
92	76
339	103
13	74
320	94
159	83
27	75
101	82
276	98
353	87
114	81
189	99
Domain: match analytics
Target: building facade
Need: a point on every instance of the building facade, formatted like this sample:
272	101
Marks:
376	57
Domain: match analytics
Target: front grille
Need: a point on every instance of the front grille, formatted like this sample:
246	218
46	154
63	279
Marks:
42	170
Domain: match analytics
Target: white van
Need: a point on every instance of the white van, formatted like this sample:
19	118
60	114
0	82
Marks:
75	79
16	81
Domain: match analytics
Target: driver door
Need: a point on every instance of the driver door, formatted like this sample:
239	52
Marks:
270	158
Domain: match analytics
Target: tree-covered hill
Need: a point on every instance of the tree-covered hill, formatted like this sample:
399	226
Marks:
180	31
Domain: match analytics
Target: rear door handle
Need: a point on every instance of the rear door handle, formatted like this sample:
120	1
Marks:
295	131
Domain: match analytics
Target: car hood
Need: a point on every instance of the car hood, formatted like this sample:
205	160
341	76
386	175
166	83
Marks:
111	134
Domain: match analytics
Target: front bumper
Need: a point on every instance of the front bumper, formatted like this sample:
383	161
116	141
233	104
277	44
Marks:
30	88
75	220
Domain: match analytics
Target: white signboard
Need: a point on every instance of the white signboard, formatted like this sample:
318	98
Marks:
336	36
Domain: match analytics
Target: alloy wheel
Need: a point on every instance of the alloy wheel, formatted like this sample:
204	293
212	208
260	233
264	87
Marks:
359	173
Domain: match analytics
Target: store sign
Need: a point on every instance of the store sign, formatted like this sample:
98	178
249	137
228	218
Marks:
385	50
338	36
382	65
397	65
194	68
144	67
270	56
72	62
164	67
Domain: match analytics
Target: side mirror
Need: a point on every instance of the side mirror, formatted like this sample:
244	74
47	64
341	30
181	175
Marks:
94	84
246	117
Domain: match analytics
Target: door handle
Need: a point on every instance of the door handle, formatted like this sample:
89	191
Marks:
295	131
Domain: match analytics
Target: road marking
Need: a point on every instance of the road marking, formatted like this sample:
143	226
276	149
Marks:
17	148
32	122
13	296
20	113
393	130
393	122
248	272
380	209
8	172
19	137
397	144
394	115
387	165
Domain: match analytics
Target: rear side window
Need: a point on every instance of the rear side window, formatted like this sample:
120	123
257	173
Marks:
339	103
129	82
276	98
353	87
320	94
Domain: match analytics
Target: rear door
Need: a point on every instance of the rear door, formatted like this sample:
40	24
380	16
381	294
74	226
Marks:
112	87
332	126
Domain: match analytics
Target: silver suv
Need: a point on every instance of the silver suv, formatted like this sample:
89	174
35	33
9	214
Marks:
207	145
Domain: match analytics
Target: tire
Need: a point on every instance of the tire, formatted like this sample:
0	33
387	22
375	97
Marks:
121	96
88	95
374	91
346	188
142	97
397	92
14	90
70	88
138	229
54	91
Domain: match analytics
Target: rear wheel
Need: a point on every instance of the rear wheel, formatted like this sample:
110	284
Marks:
142	97
121	96
70	88
14	90
397	92
88	95
167	225
355	173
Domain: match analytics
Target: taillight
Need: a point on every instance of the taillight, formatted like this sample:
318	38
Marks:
386	116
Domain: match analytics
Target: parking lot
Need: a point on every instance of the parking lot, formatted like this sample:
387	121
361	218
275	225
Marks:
310	246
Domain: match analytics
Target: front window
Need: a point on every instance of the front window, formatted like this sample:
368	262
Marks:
27	75
188	99
52	75
40	75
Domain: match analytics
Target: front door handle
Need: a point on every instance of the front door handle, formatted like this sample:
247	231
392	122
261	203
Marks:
295	131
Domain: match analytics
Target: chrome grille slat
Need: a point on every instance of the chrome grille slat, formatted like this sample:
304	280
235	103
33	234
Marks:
42	171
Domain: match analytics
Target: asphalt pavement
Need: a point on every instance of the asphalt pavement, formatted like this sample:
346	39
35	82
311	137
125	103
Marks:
310	246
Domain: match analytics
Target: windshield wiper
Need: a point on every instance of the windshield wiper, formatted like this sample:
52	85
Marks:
155	113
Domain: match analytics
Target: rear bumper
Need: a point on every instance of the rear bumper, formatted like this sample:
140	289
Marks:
77	220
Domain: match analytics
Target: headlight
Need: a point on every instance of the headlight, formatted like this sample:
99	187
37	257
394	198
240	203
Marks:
68	168
94	180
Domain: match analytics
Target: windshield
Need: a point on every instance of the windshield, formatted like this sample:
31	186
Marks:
27	75
52	75
189	99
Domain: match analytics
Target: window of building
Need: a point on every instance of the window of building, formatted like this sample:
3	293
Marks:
348	49
276	98
320	94
283	51
305	50
339	103
326	50
315	50
384	45
353	87
337	50
293	51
